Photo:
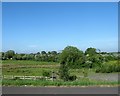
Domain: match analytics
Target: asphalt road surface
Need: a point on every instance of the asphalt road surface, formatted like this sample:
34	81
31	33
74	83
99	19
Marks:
59	90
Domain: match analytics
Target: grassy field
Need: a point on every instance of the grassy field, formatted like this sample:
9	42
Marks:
22	67
27	62
35	68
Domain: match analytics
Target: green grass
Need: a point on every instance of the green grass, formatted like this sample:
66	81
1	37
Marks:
25	67
37	71
34	71
35	68
26	71
82	82
29	62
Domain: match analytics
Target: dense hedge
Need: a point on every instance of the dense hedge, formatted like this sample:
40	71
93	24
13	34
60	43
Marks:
109	67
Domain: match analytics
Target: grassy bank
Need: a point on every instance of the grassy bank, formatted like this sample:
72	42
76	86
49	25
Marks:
82	82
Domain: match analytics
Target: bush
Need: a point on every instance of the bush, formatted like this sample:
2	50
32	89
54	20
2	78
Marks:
72	78
98	70
85	73
16	78
46	73
108	67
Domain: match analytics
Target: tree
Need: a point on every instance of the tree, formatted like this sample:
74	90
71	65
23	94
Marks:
37	57
10	54
44	56
3	56
18	57
24	57
43	52
52	56
93	59
90	51
49	53
38	53
72	56
69	59
54	53
64	72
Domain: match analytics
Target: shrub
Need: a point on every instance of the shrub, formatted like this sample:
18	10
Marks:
16	78
72	78
108	67
85	73
46	73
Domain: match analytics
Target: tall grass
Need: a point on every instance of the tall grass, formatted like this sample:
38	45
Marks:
109	67
82	82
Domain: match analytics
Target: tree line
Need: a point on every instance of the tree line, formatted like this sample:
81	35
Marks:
51	56
70	58
70	54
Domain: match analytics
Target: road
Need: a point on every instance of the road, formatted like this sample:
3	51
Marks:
59	90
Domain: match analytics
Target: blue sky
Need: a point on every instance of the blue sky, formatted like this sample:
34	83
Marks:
33	27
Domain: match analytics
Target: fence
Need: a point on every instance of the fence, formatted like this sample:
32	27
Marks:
24	77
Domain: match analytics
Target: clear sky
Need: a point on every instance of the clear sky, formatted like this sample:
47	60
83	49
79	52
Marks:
33	27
